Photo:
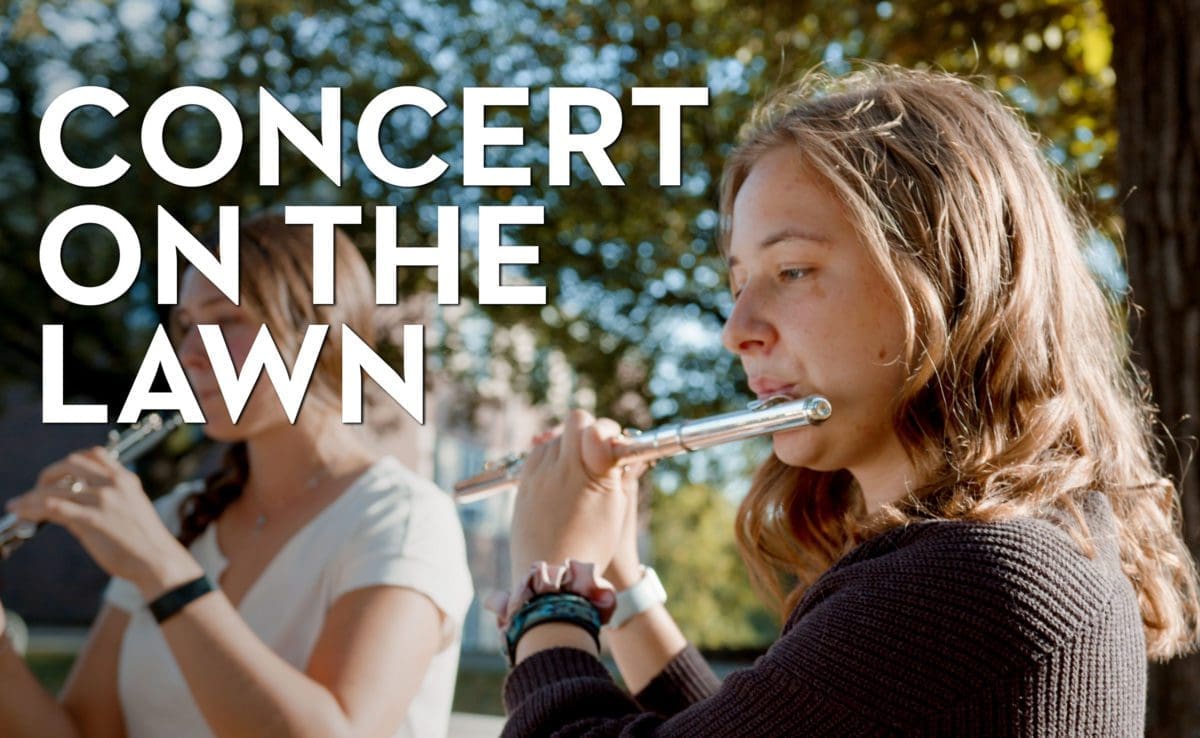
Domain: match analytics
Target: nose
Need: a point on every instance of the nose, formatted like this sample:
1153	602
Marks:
749	327
191	350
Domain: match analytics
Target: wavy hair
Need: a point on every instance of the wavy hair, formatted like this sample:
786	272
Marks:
276	274
1020	396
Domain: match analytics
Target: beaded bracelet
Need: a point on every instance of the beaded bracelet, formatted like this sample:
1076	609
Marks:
552	607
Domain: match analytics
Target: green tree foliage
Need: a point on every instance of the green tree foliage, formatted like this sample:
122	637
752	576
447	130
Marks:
635	285
656	245
696	558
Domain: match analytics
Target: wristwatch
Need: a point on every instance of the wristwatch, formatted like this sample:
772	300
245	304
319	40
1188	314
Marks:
639	598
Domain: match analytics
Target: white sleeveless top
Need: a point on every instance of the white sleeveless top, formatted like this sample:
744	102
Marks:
390	527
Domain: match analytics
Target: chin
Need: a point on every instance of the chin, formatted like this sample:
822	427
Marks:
800	448
218	426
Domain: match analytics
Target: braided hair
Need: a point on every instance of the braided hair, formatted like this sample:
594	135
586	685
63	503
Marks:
221	488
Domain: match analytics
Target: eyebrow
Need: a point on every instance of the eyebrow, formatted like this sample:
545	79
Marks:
787	234
203	303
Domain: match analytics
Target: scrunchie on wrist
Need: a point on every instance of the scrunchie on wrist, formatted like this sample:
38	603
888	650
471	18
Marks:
575	577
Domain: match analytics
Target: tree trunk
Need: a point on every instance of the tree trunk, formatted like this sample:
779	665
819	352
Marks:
1156	56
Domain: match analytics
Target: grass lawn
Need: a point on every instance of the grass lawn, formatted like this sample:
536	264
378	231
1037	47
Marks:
51	668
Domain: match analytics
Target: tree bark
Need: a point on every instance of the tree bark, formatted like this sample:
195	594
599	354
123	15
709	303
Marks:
1156	56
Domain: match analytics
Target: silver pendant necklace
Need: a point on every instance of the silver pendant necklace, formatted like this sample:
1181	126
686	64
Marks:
318	476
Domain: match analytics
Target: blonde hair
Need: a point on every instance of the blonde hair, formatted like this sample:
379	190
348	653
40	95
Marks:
1020	397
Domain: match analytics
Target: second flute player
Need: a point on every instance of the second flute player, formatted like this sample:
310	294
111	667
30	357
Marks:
275	596
978	541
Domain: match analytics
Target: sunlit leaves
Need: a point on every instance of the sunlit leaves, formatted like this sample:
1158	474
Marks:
617	261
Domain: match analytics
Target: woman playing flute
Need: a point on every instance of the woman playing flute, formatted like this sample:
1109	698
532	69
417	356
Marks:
978	541
308	587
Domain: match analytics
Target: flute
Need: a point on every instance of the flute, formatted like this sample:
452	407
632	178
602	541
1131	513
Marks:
125	446
770	415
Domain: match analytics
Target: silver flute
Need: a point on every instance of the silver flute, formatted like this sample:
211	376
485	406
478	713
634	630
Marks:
770	415
125	446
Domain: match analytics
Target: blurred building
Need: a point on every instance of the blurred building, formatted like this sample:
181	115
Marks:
50	579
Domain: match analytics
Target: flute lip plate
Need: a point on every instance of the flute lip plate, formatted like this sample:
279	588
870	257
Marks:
768	402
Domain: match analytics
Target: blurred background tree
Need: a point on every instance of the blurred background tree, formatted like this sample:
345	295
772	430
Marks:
697	559
634	282
1157	60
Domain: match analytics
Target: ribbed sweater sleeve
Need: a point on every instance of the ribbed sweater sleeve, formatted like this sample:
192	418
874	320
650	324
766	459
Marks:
684	681
940	628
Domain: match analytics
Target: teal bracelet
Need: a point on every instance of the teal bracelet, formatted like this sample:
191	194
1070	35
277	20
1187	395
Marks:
552	607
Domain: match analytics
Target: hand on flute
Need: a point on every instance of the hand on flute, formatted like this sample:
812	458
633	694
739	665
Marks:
102	504
571	503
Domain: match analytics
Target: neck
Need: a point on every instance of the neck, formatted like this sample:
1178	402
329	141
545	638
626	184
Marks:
290	460
886	477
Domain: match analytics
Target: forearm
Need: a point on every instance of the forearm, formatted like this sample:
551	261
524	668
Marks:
644	645
554	635
242	687
27	710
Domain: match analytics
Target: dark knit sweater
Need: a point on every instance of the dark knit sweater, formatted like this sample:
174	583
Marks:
938	628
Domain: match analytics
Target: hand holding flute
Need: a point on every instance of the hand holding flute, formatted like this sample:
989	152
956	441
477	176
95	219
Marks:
91	494
570	502
577	499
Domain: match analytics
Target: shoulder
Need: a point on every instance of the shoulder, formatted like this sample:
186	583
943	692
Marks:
389	494
402	530
978	599
1022	564
1020	569
924	617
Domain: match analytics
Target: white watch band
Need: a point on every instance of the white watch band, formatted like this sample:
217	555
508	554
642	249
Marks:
639	598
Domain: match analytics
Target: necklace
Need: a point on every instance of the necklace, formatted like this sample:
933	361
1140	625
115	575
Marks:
260	521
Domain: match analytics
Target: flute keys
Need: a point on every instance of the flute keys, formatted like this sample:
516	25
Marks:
506	462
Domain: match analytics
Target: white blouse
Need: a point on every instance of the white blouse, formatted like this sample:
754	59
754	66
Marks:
390	527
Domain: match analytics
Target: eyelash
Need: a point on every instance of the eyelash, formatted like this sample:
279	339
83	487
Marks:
788	274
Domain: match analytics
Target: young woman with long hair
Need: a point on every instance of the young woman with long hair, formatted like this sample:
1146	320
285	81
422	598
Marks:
308	587
980	539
